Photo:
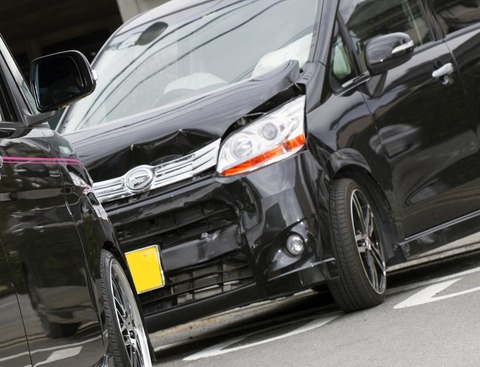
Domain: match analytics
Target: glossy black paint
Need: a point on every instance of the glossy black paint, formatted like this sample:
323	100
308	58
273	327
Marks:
411	138
47	263
60	79
52	229
110	151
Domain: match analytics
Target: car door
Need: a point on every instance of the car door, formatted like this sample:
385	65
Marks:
459	24
13	343
40	238
425	126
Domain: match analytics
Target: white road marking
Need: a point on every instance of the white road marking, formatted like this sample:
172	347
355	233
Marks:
222	348
424	296
432	281
428	294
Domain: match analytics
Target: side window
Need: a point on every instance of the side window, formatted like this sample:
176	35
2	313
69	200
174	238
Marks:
2	107
6	112
456	14
371	18
341	65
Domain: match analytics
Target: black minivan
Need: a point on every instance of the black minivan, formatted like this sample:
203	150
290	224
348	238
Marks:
66	294
248	149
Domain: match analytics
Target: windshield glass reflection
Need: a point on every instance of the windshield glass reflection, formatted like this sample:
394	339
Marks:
172	59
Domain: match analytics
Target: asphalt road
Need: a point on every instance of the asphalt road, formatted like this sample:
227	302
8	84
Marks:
430	318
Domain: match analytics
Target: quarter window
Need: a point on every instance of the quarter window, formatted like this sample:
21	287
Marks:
341	65
370	18
454	15
6	111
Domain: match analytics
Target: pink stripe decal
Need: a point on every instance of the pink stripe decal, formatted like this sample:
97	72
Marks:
39	160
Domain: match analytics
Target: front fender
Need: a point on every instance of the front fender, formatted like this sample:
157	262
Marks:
345	158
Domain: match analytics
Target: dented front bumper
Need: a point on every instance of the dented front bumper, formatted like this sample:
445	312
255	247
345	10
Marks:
222	240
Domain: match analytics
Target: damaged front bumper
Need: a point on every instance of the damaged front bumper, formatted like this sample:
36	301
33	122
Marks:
222	240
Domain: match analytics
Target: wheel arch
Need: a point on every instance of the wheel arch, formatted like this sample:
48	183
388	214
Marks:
349	163
117	252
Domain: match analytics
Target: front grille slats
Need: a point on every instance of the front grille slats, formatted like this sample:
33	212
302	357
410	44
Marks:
206	280
185	227
227	272
175	170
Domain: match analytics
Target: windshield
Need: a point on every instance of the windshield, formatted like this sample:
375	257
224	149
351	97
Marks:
171	58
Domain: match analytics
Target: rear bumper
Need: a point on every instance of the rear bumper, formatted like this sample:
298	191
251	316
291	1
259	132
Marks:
222	239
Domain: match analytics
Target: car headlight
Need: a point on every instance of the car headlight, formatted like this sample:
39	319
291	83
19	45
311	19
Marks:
271	138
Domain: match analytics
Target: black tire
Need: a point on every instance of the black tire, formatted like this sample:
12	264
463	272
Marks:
127	336
357	247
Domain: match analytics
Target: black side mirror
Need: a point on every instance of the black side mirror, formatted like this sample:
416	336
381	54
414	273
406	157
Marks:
60	79
387	52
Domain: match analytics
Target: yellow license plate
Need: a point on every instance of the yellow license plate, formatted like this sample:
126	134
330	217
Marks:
146	268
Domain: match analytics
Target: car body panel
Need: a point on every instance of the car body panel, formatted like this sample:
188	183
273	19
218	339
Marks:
12	339
463	48
119	152
45	255
428	171
406	134
52	232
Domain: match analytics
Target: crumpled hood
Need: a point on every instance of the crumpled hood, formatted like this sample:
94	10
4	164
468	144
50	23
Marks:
175	130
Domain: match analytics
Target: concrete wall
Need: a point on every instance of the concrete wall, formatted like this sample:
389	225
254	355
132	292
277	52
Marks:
130	8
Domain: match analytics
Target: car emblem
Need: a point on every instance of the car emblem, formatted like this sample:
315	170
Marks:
139	179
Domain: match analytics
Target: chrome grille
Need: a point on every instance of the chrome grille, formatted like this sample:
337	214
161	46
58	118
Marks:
144	178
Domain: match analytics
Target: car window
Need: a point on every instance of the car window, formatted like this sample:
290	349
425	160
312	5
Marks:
194	52
17	75
366	19
3	103
342	68
454	15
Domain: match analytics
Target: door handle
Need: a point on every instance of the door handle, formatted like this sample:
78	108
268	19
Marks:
445	70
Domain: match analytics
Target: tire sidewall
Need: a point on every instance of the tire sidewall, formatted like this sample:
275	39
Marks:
353	290
116	343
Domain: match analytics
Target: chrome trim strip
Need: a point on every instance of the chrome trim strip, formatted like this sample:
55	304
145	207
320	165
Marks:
164	174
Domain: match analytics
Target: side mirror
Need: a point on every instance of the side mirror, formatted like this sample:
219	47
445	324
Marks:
60	79
387	52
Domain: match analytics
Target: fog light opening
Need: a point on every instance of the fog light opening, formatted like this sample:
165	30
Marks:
295	244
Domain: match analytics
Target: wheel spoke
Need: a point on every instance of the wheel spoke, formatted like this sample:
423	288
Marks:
363	223
372	270
377	257
369	224
357	217
118	295
127	327
120	308
138	358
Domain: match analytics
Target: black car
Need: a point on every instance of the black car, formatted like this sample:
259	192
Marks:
247	150
66	294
